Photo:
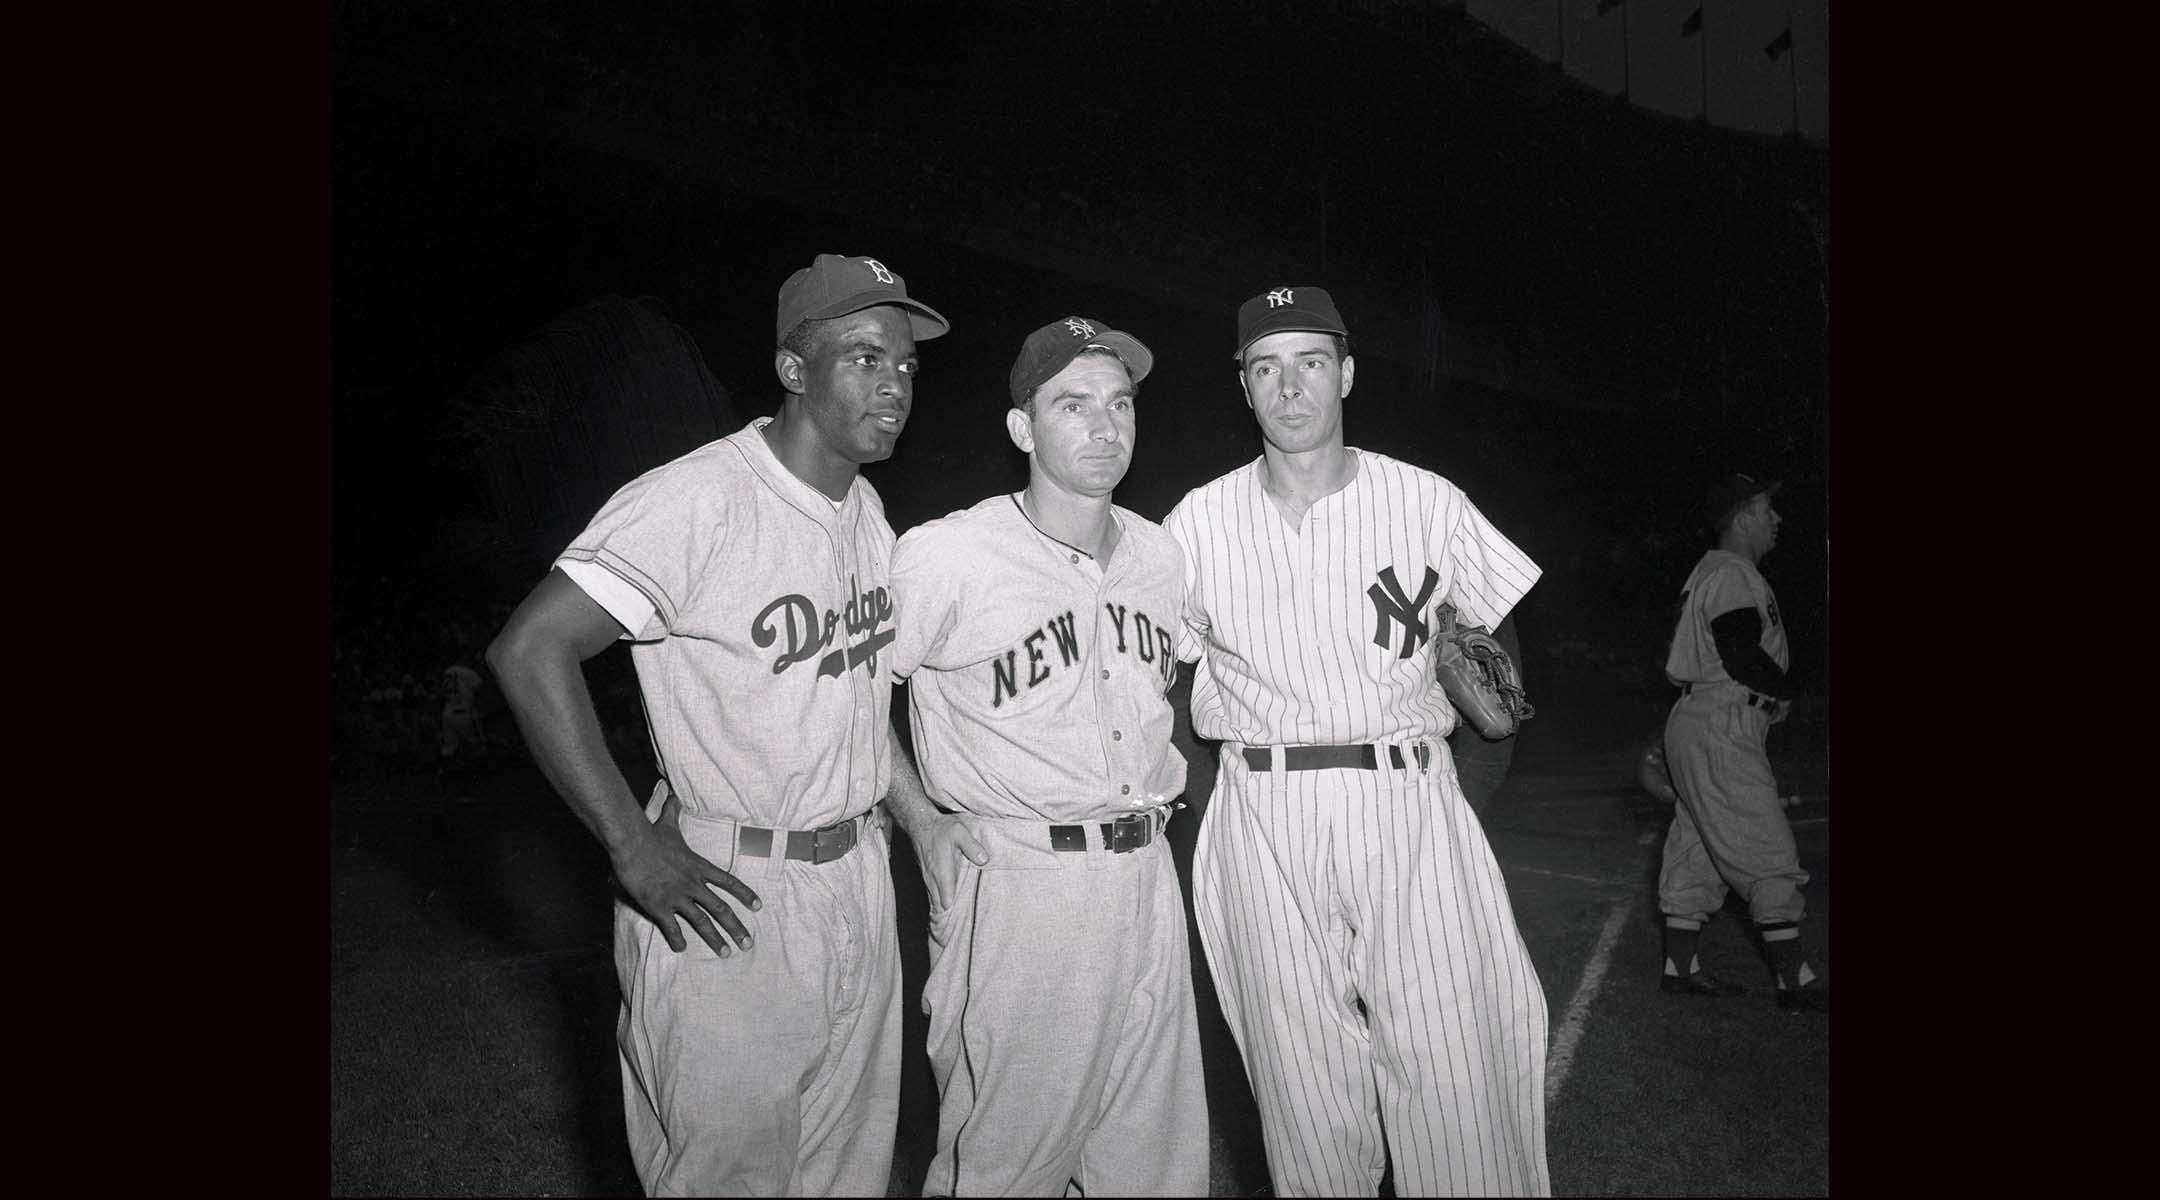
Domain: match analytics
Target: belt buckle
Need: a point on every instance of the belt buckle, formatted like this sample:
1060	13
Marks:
1423	750
832	841
1129	832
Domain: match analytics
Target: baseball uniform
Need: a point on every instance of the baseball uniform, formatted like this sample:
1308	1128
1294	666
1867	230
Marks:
1062	1028
759	614
1352	913
1730	823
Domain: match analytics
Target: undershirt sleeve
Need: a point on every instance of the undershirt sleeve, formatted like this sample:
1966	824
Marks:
1738	634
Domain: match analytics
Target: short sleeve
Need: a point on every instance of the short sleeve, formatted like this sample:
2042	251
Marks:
927	575
1490	574
655	535
1724	590
612	592
1193	624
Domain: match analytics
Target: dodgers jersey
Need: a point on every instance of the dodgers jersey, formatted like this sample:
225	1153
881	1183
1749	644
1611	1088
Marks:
1037	676
759	615
1323	634
1721	582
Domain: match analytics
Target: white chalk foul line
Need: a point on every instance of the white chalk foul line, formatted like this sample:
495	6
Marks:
1560	1059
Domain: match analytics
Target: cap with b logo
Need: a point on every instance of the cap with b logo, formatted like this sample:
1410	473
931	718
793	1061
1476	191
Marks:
1049	349
837	284
1284	308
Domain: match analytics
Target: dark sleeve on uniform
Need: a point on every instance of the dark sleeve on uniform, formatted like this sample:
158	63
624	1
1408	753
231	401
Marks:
1739	645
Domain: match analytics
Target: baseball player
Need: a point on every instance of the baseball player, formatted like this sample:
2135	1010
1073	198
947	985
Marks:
751	578
1729	657
1036	633
1359	932
461	711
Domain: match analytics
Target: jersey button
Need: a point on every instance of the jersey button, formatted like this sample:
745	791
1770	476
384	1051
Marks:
1117	735
1125	789
1073	557
1106	672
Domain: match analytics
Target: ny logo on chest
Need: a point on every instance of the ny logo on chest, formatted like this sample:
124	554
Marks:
1394	608
1135	634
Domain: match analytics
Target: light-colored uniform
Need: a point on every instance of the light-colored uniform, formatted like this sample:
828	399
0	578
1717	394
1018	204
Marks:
1357	925
1062	1028
1730	824
760	619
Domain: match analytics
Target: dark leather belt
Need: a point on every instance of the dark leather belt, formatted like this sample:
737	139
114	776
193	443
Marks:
1321	758
1123	836
1754	699
803	845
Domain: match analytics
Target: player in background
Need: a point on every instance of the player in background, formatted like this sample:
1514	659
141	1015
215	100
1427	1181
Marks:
750	577
1035	631
1729	658
1356	923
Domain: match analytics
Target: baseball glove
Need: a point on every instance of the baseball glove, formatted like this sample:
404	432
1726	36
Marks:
1479	677
1652	772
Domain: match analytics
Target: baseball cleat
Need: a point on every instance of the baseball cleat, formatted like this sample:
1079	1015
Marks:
1701	983
1813	998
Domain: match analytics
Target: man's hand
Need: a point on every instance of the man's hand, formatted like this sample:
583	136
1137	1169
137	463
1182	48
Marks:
940	843
666	879
1782	711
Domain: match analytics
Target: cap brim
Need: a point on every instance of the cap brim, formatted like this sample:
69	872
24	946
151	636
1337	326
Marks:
1139	360
924	322
1294	326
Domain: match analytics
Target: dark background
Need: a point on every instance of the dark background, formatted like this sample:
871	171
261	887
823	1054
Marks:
1578	310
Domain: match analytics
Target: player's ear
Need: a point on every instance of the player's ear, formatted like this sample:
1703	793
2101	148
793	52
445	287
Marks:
788	365
1021	429
1349	372
1244	389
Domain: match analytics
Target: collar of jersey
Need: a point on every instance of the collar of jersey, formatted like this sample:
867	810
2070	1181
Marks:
1022	510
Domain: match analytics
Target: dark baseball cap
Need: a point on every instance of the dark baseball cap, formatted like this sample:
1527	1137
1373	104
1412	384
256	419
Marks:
1047	351
1733	491
1278	309
837	284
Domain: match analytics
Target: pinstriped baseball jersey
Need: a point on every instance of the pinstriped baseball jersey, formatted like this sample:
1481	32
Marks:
1324	635
1721	582
761	662
1355	920
1037	677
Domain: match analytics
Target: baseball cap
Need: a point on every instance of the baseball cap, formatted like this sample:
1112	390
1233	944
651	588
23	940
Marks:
1733	491
1047	351
1278	309
837	284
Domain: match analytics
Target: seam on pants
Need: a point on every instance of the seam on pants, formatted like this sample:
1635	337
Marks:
967	1059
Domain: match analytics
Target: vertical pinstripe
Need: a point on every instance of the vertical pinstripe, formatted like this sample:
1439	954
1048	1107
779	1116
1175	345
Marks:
1318	890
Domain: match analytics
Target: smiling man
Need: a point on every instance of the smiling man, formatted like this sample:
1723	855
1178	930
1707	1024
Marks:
1035	633
1356	923
750	577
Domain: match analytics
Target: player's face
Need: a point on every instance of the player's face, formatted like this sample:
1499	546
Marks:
859	383
1295	385
1082	433
1763	521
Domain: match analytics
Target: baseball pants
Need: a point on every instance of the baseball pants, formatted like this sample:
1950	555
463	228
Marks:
774	1072
1729	827
1368	963
1062	1033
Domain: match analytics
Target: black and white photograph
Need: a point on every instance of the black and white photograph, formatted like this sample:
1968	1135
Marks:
1096	597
